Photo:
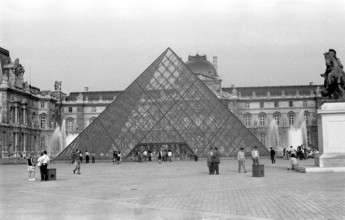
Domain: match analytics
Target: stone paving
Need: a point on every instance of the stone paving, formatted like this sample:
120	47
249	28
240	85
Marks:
177	190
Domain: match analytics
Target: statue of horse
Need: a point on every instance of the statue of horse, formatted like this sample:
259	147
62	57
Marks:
334	79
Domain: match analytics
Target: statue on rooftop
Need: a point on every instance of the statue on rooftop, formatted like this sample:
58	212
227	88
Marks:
334	75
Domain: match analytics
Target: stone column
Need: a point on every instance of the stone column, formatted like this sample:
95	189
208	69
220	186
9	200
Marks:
24	116
24	144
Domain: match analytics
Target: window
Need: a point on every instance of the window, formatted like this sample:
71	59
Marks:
42	104
291	116
306	117
70	109
263	138
247	119
290	103
43	143
70	125
262	119
246	104
262	105
93	109
276	117
276	104
305	104
92	119
43	121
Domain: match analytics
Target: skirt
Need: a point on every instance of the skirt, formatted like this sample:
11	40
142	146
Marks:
31	168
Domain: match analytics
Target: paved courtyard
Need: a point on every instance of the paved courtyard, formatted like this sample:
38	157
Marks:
177	190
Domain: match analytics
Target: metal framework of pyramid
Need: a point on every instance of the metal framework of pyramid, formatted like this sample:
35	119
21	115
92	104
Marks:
167	105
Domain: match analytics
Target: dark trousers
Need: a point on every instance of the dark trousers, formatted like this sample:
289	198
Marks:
215	167
209	167
93	159
272	159
87	158
44	172
255	161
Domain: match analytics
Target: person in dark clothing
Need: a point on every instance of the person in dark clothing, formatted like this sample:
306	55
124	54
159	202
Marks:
273	153
215	161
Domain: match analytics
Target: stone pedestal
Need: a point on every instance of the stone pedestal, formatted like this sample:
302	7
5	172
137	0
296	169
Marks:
331	134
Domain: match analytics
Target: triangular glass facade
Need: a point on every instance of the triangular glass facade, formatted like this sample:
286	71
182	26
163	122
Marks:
167	104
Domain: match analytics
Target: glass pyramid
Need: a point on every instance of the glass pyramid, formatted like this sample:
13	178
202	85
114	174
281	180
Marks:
166	106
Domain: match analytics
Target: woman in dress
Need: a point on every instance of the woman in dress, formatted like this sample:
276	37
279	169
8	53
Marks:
31	168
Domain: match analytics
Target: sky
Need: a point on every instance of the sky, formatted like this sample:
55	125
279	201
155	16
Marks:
105	45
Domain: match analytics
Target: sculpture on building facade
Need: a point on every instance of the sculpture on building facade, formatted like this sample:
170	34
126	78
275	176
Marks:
57	85
334	75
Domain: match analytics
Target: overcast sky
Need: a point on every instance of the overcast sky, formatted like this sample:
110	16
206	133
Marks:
105	45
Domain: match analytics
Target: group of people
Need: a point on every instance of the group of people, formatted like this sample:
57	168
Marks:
213	161
42	163
116	157
147	155
78	154
301	153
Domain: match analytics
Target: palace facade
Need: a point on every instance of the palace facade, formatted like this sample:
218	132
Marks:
29	116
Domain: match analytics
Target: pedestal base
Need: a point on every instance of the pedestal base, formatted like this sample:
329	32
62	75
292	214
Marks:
330	160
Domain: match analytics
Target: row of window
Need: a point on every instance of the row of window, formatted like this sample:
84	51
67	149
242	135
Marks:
93	109
276	116
276	104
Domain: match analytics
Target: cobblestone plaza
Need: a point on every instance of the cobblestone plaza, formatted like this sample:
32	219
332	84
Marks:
177	190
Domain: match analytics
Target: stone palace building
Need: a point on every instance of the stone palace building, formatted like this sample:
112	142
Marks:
29	116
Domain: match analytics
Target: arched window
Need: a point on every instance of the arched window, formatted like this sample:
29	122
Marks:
291	117
262	119
306	117
276	117
247	119
70	122
309	137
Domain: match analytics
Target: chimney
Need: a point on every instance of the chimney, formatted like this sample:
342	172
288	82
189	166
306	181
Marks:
86	89
311	83
215	63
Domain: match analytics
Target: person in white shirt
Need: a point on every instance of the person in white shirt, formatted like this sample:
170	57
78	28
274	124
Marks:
293	162
44	166
255	155
241	160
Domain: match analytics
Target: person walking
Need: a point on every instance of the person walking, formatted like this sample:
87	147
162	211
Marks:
209	160
241	160
77	165
44	166
215	161
273	153
255	155
31	168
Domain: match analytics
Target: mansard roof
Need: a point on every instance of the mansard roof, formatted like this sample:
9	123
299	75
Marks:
94	95
273	90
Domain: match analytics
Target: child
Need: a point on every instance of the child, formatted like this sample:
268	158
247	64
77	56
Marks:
293	162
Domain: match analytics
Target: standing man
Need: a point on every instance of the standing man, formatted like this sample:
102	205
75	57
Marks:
241	160
87	157
195	154
45	162
209	160
255	155
215	161
273	153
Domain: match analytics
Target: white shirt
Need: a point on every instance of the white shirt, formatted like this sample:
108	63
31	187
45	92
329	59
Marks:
255	154
40	160
46	159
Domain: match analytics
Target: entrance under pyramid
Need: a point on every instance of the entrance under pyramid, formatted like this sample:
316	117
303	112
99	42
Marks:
166	108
